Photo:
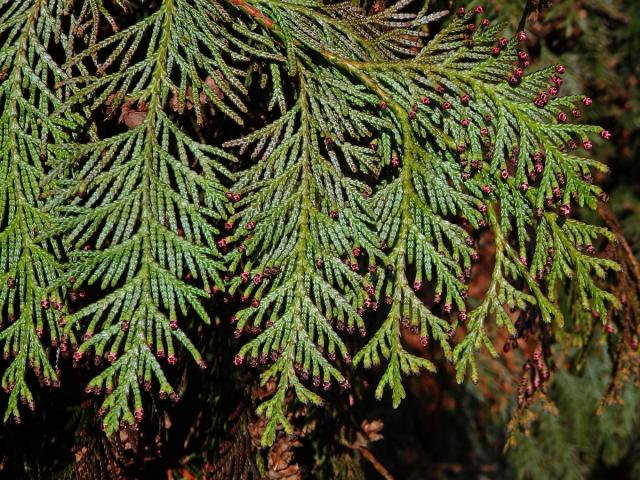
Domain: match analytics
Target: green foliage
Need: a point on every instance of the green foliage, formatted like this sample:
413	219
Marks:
28	131
579	442
383	154
414	209
148	199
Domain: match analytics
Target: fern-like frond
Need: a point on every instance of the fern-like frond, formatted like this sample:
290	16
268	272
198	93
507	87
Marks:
30	308
377	145
506	147
302	226
474	143
142	207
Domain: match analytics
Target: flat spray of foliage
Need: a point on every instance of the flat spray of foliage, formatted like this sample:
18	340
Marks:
367	156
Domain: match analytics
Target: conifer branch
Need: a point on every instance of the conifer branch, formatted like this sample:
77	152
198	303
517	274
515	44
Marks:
380	146
458	122
302	225
140	213
29	263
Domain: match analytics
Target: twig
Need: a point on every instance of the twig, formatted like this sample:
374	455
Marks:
611	221
366	453
525	14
